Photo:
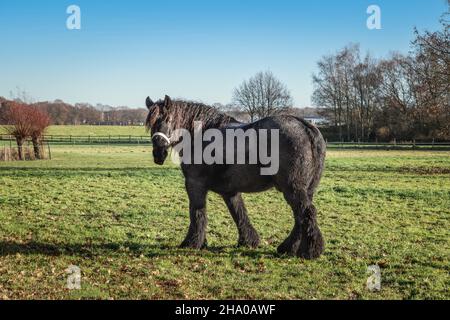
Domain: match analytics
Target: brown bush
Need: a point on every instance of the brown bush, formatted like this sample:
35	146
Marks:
23	121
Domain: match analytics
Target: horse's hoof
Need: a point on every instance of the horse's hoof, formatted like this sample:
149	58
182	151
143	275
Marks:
193	245
286	251
309	255
249	238
288	248
253	243
313	249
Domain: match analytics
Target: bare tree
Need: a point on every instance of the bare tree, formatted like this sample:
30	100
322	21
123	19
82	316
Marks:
21	96
329	88
262	95
432	70
397	97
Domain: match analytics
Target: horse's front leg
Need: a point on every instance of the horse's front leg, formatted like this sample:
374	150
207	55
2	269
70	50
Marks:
196	236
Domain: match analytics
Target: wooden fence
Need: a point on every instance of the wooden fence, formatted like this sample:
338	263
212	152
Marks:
411	145
10	152
76	140
137	140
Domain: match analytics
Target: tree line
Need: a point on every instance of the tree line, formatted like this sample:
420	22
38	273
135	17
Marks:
402	97
62	113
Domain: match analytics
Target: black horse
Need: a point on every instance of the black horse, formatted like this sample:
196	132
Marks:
301	162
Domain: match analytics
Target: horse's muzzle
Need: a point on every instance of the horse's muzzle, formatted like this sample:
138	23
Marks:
159	156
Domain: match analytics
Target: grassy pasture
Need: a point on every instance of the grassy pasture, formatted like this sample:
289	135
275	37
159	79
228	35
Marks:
119	217
87	130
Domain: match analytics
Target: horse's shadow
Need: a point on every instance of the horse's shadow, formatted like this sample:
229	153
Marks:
8	248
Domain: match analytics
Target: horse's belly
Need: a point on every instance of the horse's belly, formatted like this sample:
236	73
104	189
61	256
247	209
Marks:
241	179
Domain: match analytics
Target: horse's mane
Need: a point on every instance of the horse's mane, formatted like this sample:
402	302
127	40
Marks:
183	114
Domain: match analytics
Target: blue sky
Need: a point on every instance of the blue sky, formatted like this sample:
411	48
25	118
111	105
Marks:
193	49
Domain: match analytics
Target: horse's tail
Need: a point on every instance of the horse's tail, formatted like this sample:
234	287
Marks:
318	149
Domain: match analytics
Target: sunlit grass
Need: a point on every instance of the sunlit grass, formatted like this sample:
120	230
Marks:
119	217
88	130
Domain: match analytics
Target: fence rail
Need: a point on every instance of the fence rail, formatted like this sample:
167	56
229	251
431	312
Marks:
130	139
413	145
73	139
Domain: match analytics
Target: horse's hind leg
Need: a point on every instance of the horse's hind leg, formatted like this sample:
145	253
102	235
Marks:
247	234
196	236
305	239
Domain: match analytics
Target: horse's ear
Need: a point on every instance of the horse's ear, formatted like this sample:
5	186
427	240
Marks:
167	102
149	103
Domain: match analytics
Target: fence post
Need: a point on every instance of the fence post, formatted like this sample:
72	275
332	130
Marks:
49	152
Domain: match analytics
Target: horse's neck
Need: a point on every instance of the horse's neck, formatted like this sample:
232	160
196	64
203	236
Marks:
220	120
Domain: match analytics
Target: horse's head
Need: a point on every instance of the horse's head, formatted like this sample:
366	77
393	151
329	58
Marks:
157	123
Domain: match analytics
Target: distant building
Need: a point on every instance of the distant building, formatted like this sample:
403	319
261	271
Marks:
318	121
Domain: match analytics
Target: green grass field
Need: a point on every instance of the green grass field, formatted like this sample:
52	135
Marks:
119	217
94	130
